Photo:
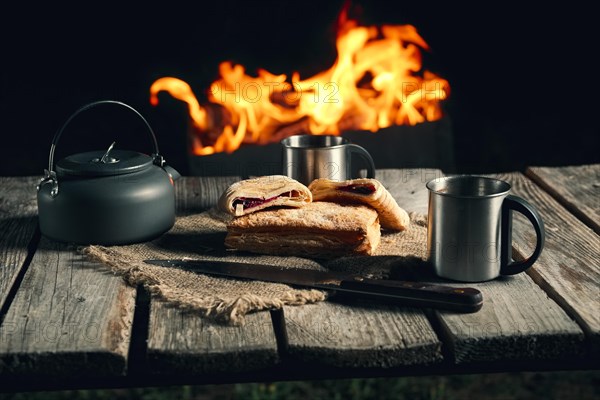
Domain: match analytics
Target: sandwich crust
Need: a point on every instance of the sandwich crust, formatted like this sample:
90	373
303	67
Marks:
251	195
362	191
316	230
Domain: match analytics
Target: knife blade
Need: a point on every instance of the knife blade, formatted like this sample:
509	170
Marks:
345	285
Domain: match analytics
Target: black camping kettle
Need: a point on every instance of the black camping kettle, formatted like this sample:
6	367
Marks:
109	197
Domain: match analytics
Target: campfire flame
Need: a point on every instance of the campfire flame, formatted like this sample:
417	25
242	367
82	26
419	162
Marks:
375	82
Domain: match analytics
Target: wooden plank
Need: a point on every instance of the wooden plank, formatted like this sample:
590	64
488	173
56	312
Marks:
378	336
568	268
517	322
577	188
18	223
360	335
181	342
70	317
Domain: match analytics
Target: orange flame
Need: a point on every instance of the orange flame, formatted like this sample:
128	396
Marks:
374	83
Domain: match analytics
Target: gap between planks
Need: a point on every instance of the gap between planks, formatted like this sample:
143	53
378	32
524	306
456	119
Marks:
20	234
66	316
183	342
368	335
517	322
568	269
577	188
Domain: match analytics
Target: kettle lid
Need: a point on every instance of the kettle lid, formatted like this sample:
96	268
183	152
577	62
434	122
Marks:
103	163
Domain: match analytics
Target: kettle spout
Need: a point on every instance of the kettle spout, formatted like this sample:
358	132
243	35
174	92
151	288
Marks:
172	172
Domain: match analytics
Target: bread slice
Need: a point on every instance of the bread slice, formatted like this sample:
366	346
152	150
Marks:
318	230
256	194
363	191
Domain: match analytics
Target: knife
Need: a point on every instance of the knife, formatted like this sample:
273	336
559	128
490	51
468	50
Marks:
406	293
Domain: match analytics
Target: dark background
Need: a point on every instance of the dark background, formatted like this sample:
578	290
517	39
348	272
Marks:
523	80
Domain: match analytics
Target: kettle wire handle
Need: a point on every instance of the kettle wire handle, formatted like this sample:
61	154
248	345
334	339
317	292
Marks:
51	174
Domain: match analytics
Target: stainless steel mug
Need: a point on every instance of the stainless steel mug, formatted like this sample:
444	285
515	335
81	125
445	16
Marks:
308	157
469	233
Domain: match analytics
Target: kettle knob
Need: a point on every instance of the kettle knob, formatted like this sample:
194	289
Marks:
106	158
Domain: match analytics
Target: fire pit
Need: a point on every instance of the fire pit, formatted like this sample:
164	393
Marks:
376	94
425	145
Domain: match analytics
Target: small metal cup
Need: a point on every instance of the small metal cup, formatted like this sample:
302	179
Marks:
308	157
469	234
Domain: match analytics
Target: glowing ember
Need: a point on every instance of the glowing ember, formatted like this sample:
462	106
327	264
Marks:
375	82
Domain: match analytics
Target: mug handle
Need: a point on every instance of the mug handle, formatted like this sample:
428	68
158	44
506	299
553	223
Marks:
518	204
364	154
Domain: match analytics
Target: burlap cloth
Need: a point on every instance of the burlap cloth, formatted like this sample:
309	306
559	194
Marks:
201	236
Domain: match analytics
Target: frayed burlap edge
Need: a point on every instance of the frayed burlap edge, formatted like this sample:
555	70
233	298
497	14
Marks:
230	311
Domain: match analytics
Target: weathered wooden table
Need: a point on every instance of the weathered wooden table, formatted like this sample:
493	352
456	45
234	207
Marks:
65	324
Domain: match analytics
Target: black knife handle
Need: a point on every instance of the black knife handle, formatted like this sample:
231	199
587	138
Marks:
414	294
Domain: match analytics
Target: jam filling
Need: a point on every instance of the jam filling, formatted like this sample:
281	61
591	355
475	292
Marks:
251	202
360	189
